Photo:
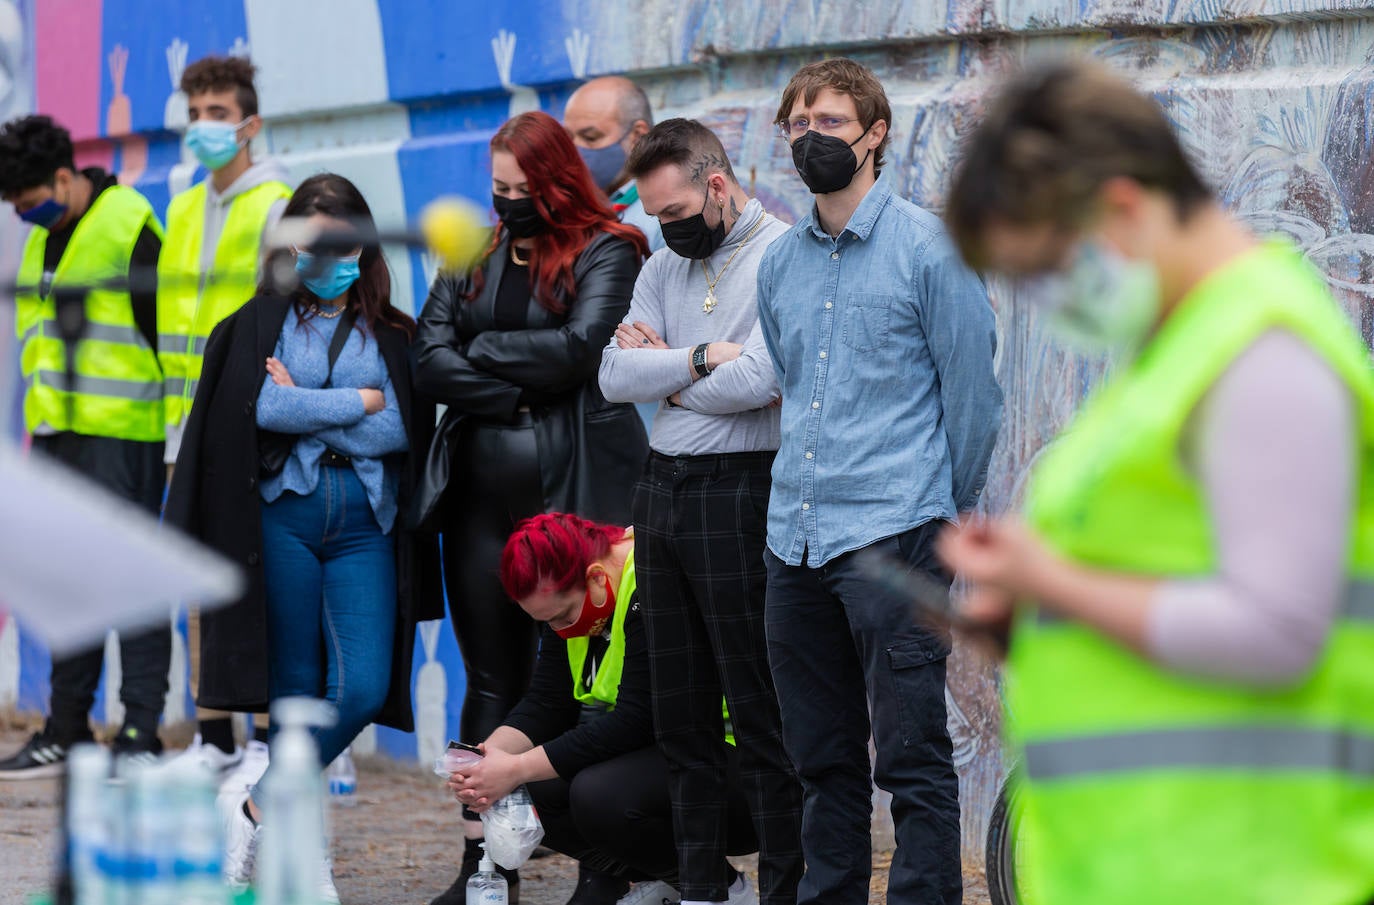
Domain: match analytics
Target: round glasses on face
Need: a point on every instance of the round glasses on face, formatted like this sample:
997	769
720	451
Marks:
800	125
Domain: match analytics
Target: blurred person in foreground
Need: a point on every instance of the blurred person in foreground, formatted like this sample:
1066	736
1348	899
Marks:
1191	679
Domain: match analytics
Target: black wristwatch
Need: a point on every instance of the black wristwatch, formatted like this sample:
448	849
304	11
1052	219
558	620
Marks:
699	366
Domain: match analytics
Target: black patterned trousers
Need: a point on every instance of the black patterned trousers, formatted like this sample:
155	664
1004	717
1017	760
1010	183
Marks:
699	540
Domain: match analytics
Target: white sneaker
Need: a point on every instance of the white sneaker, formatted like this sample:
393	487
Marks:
252	764
326	892
212	758
741	892
651	893
241	837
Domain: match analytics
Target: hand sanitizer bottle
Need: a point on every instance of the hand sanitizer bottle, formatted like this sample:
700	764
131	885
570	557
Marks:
487	887
291	856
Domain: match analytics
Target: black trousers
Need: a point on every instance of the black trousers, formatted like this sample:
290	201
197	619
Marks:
849	658
498	470
615	817
699	542
133	471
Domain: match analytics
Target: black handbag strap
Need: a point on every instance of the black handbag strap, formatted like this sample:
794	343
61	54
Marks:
336	344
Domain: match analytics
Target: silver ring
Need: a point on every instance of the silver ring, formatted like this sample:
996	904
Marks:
645	341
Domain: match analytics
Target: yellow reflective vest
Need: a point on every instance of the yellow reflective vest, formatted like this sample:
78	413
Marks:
606	684
1145	786
115	389
190	303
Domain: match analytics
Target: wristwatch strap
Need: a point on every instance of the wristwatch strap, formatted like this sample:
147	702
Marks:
699	366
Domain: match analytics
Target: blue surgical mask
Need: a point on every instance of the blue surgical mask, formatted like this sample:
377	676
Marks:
1102	301
214	143
47	215
605	163
328	278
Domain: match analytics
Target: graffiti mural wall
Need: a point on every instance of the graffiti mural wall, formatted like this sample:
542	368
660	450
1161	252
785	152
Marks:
1274	98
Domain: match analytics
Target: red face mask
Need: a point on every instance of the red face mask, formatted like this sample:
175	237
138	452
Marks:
593	619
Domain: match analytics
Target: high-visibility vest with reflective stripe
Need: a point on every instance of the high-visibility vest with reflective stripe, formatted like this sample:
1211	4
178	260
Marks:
1146	786
606	684
191	303
116	387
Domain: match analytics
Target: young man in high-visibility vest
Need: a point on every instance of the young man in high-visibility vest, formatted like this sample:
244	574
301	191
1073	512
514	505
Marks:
98	410
209	269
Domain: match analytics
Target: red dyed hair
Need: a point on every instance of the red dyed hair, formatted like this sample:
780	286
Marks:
572	205
553	548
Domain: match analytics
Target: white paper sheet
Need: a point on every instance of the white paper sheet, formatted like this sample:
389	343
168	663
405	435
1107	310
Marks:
76	560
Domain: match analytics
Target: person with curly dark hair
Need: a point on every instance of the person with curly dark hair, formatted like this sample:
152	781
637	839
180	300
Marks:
93	392
215	231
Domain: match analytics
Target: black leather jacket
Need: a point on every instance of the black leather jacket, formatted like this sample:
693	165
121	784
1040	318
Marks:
591	451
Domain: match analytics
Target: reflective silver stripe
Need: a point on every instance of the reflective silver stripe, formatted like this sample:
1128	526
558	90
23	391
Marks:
106	333
1236	747
181	343
176	386
1359	601
29	334
137	390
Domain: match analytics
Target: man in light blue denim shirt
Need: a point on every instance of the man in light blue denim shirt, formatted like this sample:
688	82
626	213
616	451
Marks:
883	343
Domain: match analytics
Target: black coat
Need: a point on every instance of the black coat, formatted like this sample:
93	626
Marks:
590	451
215	498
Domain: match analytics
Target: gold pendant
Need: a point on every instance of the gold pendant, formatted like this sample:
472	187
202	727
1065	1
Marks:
710	304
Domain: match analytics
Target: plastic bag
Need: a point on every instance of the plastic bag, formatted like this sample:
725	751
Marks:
454	760
512	829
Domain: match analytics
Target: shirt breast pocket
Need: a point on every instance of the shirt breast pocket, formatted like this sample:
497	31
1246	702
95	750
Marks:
867	319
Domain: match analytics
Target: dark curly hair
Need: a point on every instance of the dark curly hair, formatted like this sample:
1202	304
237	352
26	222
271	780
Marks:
223	74
32	150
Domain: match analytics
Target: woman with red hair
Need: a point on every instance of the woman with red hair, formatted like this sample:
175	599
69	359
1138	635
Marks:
582	739
512	347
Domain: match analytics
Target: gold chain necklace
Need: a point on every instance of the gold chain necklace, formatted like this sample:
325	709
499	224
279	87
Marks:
710	304
515	258
319	312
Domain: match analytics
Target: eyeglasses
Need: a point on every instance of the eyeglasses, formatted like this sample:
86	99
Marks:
826	125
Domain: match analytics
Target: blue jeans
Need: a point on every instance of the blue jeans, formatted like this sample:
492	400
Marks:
842	648
331	603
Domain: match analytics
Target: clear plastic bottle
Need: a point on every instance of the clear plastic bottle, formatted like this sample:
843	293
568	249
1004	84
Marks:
487	887
153	838
343	780
88	776
200	836
291	855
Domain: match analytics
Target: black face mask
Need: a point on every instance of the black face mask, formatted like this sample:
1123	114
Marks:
690	237
520	216
826	163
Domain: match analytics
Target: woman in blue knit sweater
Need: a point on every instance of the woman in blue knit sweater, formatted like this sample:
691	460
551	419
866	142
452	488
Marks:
311	390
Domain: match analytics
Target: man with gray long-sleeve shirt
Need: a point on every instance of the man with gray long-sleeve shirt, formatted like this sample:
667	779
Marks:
692	340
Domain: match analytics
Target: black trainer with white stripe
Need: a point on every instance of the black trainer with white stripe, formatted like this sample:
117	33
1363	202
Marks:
38	759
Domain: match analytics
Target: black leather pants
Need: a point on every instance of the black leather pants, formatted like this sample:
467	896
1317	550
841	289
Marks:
497	483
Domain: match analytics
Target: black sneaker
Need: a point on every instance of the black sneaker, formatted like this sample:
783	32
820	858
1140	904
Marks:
457	894
133	744
40	758
596	888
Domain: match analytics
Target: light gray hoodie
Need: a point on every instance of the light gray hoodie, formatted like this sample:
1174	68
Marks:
268	169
